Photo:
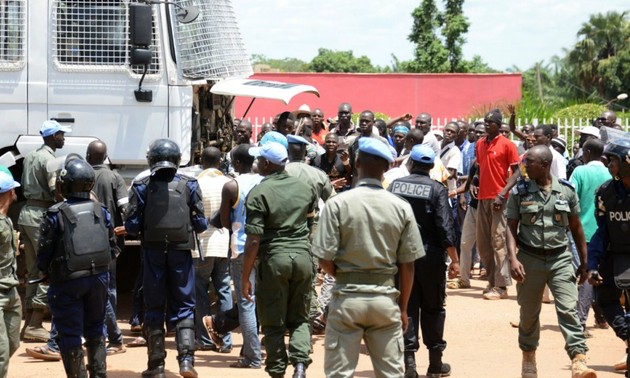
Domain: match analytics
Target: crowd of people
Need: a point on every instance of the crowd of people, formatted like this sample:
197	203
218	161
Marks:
385	215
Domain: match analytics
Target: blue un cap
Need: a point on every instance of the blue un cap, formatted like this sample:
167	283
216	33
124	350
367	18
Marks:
274	152
296	139
375	147
7	182
421	153
51	127
274	136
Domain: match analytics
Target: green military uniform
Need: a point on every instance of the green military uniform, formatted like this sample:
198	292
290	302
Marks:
277	210
542	250
366	231
38	185
10	304
315	178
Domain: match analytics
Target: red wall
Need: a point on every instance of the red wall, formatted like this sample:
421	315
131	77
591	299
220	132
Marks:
442	95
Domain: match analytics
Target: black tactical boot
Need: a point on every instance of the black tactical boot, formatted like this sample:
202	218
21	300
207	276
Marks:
156	352
73	363
96	354
185	339
436	368
410	365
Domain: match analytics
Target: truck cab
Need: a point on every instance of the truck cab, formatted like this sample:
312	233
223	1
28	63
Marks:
71	60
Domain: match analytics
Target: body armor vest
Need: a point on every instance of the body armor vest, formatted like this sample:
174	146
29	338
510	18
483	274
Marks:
167	221
617	219
84	248
419	192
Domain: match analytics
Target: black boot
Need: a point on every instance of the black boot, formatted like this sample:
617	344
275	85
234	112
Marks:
96	354
410	365
185	339
300	370
436	367
156	352
73	363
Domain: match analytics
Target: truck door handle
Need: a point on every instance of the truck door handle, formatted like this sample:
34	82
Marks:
63	120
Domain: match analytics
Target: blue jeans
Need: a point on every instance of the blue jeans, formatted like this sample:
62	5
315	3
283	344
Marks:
114	334
217	271
251	352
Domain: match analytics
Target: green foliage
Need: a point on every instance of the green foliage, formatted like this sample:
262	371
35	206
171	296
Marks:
377	115
430	54
340	61
598	62
581	111
454	26
284	65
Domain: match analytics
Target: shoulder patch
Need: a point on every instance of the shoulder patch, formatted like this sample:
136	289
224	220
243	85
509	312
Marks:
566	183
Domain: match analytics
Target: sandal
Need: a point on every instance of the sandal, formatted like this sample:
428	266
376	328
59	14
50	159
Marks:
137	342
214	335
43	353
115	349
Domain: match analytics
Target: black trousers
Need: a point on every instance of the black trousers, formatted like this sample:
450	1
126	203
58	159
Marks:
426	303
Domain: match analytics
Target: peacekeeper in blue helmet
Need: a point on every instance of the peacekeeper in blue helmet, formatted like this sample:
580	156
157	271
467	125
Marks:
165	209
76	246
609	248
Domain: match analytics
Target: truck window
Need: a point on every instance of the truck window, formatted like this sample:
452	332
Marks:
93	35
211	47
12	35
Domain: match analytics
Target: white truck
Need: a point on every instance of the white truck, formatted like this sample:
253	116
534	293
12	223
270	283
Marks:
71	60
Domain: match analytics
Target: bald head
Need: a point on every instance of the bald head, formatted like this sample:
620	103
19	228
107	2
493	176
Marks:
210	157
542	153
96	152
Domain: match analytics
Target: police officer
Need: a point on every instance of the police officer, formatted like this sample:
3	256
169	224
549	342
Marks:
538	220
164	209
365	303
429	201
76	246
609	248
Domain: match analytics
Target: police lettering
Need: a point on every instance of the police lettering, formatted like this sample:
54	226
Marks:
619	216
412	190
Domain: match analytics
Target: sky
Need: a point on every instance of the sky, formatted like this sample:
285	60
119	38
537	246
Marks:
504	33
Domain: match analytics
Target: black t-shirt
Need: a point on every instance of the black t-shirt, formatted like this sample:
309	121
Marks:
335	169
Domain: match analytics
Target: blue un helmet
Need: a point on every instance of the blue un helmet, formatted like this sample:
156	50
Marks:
621	149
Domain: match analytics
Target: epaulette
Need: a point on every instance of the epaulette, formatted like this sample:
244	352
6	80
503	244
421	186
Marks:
567	183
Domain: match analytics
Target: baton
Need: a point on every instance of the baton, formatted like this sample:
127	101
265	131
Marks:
201	256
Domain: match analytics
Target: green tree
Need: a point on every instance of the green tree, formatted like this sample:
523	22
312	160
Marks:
284	65
598	61
340	61
454	26
429	55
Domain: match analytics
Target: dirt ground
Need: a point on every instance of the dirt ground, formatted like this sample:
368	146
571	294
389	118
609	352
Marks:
481	343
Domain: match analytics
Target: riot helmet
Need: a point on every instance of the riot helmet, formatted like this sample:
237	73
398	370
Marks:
76	179
621	149
163	154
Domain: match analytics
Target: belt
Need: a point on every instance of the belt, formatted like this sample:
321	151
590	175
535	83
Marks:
360	278
541	251
40	203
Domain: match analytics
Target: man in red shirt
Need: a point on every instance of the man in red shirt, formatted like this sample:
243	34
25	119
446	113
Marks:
496	155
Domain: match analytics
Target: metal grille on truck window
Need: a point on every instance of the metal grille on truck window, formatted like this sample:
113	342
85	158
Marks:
210	47
92	36
12	34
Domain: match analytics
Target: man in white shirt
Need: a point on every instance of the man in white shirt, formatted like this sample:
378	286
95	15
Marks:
450	155
423	122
